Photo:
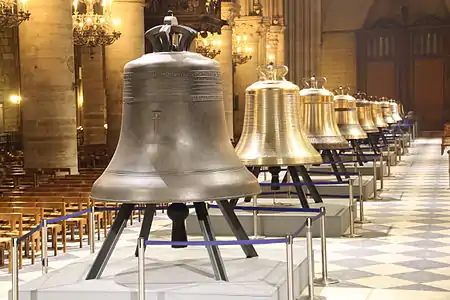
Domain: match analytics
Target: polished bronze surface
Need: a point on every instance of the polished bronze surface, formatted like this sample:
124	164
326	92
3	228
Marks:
387	110
395	111
364	111
173	144
377	113
347	116
272	134
318	117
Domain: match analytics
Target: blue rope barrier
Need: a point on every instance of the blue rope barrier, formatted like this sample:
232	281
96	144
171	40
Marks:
216	243
267	184
334	173
63	218
28	234
353	154
274	209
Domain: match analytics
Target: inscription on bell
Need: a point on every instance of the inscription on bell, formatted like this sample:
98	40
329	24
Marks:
204	84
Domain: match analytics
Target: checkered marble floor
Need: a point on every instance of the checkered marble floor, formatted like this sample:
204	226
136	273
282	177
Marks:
404	252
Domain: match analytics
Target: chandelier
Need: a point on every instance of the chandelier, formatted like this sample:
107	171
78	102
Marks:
208	46
94	29
12	13
242	53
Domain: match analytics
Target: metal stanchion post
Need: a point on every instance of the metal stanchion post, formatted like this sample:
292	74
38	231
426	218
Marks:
324	281
255	219
15	269
381	172
310	261
388	161
375	175
92	229
290	267
141	269
448	153
361	220
44	245
352	233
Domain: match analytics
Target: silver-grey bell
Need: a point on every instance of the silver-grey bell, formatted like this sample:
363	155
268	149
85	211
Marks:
173	144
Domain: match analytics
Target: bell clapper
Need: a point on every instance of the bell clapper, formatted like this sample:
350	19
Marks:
178	212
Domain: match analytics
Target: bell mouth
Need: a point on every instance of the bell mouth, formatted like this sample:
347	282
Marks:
352	131
328	142
133	187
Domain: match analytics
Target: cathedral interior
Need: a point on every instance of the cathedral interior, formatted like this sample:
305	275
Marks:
128	126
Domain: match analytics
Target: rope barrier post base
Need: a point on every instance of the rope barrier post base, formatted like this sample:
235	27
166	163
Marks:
256	236
141	269
352	233
290	267
15	269
44	254
324	281
361	220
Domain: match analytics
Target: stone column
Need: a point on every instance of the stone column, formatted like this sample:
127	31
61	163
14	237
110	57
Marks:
275	44
229	10
247	74
128	47
93	97
48	98
303	38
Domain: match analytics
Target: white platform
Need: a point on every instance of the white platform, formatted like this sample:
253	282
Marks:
175	274
275	224
366	170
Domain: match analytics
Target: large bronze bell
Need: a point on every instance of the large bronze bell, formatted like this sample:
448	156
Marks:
318	116
173	146
365	117
377	113
347	116
387	111
395	111
272	134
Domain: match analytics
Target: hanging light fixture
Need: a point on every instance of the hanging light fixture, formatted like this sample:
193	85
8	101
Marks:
13	13
242	53
94	27
208	46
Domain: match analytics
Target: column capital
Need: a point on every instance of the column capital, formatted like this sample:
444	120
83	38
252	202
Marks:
230	11
251	25
142	2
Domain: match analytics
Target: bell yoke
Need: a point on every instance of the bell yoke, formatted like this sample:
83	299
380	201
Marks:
173	145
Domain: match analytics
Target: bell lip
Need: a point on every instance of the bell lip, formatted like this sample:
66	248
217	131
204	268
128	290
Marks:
174	201
256	191
371	129
273	161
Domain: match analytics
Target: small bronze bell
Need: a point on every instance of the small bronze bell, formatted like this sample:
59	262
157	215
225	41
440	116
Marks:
272	133
377	113
347	116
318	116
386	108
395	111
364	110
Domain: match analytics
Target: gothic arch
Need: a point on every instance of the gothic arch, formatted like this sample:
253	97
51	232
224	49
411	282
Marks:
388	13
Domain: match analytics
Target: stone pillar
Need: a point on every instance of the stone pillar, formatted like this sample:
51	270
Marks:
303	38
93	97
9	80
128	47
229	10
247	74
48	98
